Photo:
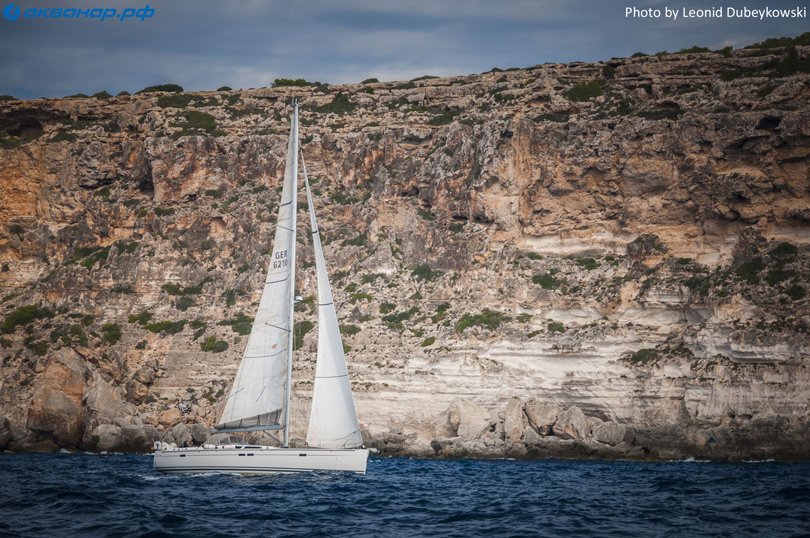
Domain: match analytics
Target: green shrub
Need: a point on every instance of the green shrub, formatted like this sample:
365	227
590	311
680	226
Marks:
547	281
692	50
730	74
357	296
38	347
446	117
349	330
750	269
796	292
141	319
112	333
425	214
183	303
299	82
213	345
224	89
441	310
664	114
555	326
358	241
301	329
784	251
775	42
583	92
125	247
173	289
160	212
99	254
554	118
370	81
369	278
385	308
170	327
161	88
241	324
777	275
589	264
340	105
424	272
487	318
199	123
643	356
23	316
429	341
63	136
174	101
401	316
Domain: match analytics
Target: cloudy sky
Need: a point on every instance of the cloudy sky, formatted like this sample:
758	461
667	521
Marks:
205	44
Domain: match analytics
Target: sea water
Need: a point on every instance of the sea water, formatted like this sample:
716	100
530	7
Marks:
121	495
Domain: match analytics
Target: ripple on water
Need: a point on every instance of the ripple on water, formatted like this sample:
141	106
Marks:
121	495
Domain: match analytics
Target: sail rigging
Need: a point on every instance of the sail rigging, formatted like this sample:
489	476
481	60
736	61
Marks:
260	396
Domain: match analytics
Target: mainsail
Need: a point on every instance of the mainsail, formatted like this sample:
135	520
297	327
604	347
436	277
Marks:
333	420
258	398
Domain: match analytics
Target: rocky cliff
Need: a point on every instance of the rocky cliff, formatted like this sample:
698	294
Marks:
580	260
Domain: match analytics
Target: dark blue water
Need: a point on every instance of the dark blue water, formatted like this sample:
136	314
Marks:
120	495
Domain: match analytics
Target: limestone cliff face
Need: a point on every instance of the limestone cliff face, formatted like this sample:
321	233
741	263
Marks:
590	260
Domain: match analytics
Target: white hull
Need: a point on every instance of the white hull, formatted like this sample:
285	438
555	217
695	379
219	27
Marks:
259	460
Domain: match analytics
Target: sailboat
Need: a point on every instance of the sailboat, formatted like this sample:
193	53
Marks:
259	399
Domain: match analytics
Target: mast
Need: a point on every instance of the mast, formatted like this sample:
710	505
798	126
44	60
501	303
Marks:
292	275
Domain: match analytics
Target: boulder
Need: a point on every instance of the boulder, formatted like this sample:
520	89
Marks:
43	447
530	436
104	405
181	435
468	419
138	438
541	416
145	375
593	423
56	408
200	432
572	424
109	438
5	432
152	420
612	433
136	391
514	421
170	417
